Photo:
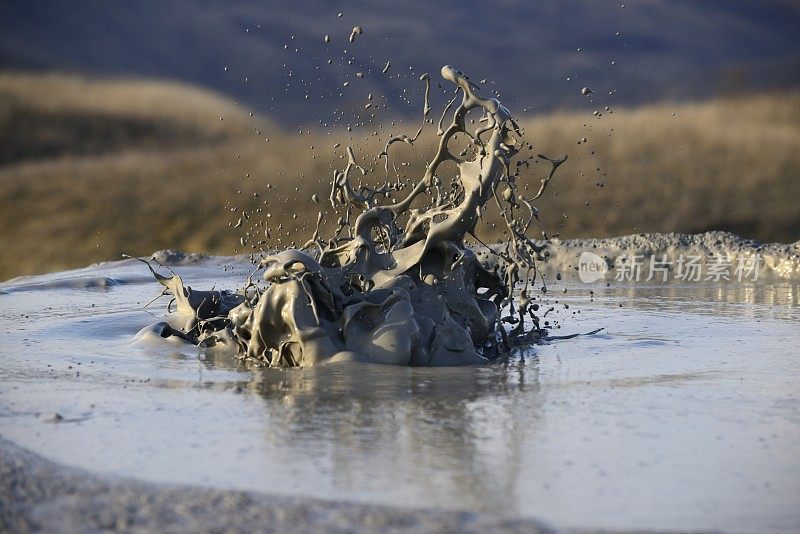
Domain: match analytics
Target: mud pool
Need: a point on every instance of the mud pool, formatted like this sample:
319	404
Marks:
684	413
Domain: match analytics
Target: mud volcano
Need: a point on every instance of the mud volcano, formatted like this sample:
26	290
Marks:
378	292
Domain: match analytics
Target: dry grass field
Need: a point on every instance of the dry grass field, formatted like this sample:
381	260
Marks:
90	169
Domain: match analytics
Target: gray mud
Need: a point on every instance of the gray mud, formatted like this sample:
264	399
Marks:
379	293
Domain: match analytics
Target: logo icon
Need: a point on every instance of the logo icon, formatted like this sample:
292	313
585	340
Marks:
591	267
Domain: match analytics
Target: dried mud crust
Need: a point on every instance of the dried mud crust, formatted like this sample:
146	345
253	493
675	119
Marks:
39	495
779	261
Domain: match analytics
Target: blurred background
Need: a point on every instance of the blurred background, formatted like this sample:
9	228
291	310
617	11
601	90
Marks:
207	126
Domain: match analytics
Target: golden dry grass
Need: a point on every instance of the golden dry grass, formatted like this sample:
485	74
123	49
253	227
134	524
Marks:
90	169
730	164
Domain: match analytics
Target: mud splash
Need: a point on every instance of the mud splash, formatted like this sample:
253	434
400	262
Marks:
376	292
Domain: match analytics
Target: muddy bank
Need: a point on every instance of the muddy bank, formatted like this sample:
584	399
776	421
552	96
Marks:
37	494
776	261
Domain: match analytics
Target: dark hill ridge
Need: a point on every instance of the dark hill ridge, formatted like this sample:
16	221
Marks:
666	48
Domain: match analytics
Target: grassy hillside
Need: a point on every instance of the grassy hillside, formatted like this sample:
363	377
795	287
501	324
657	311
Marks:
90	169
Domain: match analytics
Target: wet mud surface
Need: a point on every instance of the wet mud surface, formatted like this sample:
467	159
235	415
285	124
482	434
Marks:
683	413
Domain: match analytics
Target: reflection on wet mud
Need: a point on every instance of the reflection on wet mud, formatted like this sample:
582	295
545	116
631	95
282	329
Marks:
357	415
778	301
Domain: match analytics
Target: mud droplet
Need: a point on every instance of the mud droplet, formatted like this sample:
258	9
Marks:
358	30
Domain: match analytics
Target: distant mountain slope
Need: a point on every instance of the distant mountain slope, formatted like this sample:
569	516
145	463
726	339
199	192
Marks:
665	48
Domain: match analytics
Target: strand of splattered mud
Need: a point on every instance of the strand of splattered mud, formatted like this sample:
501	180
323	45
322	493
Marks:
521	251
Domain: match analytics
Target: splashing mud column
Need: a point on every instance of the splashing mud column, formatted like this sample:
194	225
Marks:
378	293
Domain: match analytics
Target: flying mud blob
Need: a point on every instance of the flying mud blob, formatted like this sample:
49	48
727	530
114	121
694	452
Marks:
358	30
376	292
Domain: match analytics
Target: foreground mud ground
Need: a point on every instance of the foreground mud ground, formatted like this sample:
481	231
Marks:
39	495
